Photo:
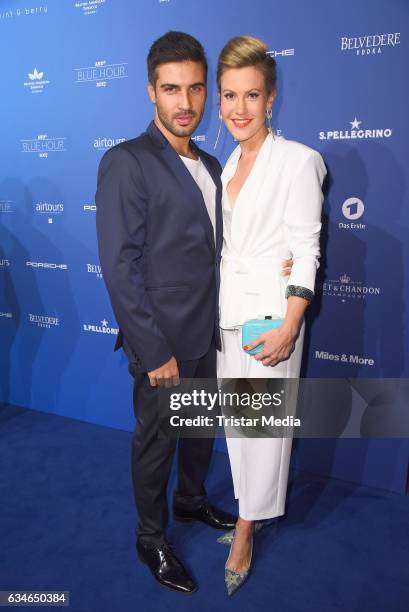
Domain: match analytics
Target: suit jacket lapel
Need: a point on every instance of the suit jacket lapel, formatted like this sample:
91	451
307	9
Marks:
182	174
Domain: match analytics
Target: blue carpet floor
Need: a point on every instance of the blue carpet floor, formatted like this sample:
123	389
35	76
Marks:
67	523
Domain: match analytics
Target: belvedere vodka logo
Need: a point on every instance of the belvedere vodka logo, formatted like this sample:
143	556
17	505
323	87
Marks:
49	209
43	321
103	144
352	209
345	289
43	145
95	270
89	7
370	45
101	72
356	133
36	82
6	206
100	329
27	11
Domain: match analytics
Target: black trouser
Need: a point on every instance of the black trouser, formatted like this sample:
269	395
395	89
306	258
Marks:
152	456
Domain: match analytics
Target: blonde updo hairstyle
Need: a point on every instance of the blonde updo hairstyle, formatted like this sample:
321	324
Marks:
244	51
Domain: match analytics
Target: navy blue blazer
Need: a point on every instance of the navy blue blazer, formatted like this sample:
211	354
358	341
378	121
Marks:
159	258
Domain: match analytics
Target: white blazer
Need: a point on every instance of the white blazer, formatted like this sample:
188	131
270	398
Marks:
277	215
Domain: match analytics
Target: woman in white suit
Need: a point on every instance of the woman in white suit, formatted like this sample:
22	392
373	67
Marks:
272	203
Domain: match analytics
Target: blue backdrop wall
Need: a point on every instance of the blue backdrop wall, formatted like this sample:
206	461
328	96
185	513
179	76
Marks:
74	84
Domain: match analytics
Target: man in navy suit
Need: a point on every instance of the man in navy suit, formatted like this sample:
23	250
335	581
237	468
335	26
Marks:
159	225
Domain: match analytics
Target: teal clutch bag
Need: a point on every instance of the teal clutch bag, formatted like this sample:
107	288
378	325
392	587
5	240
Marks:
254	327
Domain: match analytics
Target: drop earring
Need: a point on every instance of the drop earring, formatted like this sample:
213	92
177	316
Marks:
269	114
219	130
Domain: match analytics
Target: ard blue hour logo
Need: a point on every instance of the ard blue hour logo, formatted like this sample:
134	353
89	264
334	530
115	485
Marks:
101	72
43	145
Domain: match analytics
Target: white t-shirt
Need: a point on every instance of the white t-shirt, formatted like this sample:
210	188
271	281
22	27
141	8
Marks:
206	185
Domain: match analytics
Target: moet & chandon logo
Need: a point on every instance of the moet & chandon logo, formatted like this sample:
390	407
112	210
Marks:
100	329
101	72
36	83
355	133
43	145
346	289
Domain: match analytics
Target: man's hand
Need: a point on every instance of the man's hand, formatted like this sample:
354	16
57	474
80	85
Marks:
165	376
287	267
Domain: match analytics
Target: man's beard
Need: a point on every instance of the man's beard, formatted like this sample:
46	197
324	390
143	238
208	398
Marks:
178	130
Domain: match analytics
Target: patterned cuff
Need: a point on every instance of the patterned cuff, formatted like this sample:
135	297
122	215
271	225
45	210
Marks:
301	292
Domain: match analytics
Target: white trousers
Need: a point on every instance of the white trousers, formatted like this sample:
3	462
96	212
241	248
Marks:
259	465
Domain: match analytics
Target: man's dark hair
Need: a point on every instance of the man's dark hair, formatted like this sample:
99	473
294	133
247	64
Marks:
174	47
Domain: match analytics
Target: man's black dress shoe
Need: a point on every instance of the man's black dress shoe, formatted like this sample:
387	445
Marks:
166	567
206	513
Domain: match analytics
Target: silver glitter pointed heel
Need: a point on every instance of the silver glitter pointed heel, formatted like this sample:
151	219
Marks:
233	580
228	536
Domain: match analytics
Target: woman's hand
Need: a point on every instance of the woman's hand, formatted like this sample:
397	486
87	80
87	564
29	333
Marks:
278	344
